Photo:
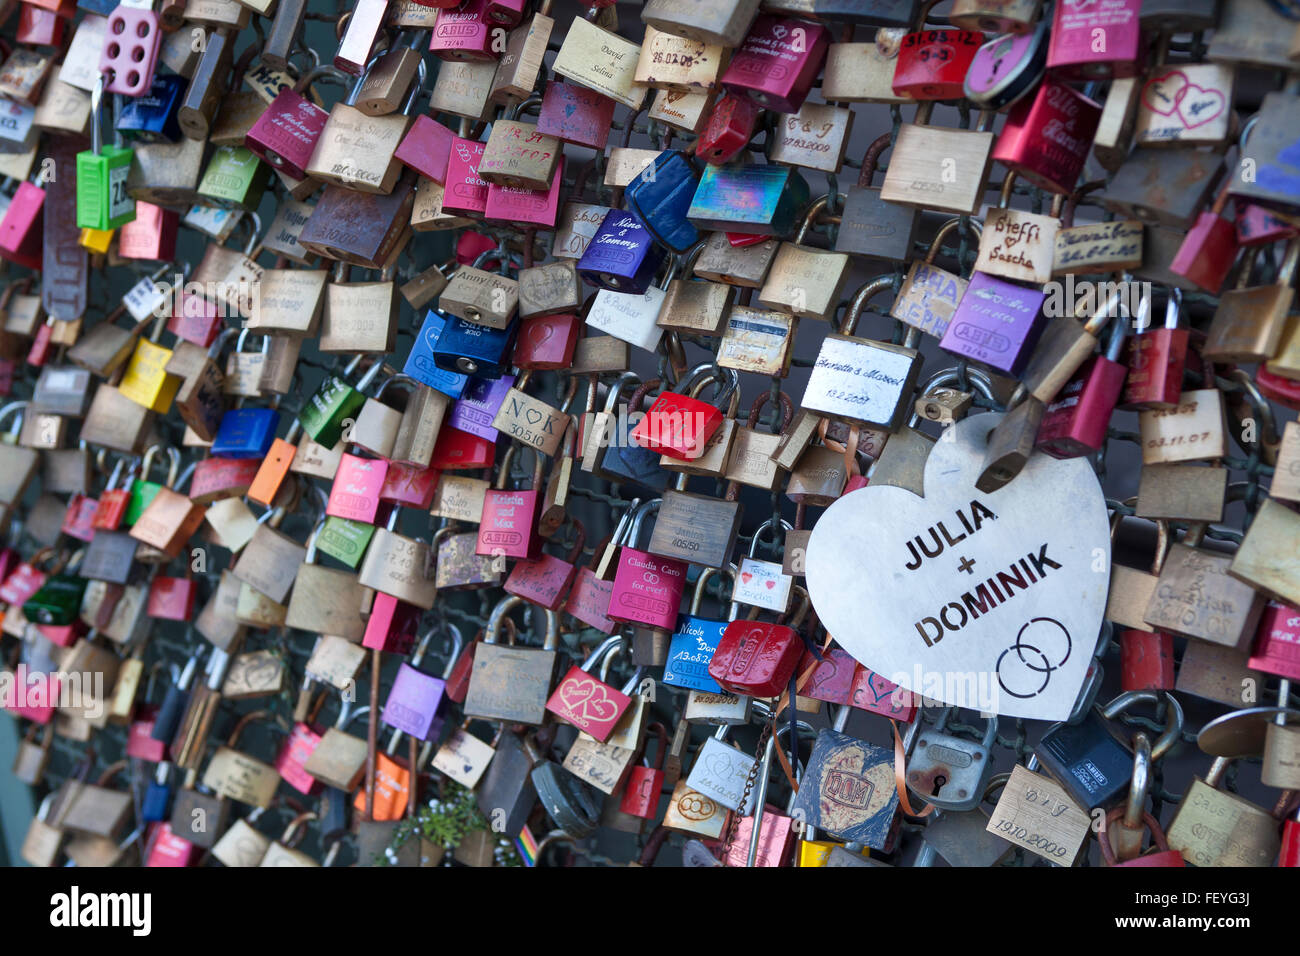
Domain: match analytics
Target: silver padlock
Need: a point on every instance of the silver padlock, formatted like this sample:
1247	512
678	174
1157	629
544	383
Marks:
720	772
951	772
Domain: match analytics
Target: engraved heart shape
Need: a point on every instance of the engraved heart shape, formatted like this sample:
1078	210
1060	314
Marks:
746	577
1199	106
540	332
989	601
532	416
770	584
587	699
720	765
1163	91
779	32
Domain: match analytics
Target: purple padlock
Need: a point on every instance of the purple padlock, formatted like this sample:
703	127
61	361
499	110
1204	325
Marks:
130	50
622	256
996	323
479	404
416	700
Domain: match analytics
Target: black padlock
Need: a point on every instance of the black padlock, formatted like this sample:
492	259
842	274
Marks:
1087	760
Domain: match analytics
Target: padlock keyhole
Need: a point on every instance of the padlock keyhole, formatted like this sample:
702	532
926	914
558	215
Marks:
939	781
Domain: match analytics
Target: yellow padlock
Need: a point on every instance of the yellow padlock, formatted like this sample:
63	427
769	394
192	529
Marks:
816	852
97	240
146	380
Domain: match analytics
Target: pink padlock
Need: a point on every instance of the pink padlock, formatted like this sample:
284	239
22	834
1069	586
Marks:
130	49
355	492
647	588
533	207
23	227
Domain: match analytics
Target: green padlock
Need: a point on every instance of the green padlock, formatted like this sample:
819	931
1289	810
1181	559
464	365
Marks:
143	491
57	601
235	178
344	539
102	200
335	406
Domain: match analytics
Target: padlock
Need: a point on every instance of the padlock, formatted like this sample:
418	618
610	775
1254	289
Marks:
465	31
996	323
508	527
848	790
678	426
692	646
364	229
1047	136
399	566
1185	104
1075	53
1196	597
870	227
545	580
22	226
644	786
862	380
1248	322
932	64
359	316
1256	561
1137	189
325	600
760	200
415	700
514	76
517	154
647	588
1017	245
914	179
207	84
588	703
775	71
756	658
1075	421
948	771
1212	827
1274	648
285	135
339	760
511	683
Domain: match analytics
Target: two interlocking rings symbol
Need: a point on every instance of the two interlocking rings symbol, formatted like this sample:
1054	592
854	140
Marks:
1031	662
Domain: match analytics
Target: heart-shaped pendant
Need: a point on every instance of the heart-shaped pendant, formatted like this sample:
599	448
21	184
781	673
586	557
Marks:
987	601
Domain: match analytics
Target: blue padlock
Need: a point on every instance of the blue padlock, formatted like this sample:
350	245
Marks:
475	349
423	367
156	805
622	255
246	433
692	647
661	194
154	117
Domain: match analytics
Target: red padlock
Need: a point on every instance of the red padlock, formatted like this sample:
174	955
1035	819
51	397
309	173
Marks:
589	597
1163	856
729	131
1277	642
1146	660
40	349
547	342
167	849
216	478
151	235
1209	248
546	580
1290	852
172	599
457	450
932	64
832	678
38	26
1257	226
1048	135
1075	423
77	520
139	737
588	703
195	319
756	658
470	245
1284	391
874	693
1156	360
645	783
409	485
458	680
677	425
777	62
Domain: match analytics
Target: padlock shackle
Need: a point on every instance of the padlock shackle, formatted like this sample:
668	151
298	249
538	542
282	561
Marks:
948	227
1173	731
111	771
816	207
702	584
233	740
292	836
849	324
952	377
1140	782
603	648
872	158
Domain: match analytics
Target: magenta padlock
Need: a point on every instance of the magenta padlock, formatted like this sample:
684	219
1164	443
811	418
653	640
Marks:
355	492
1095	39
647	588
508	527
465	192
778	62
130	50
426	148
23	228
478	405
464	33
505	13
996	323
1257	226
1075	423
285	134
1277	642
392	626
532	207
